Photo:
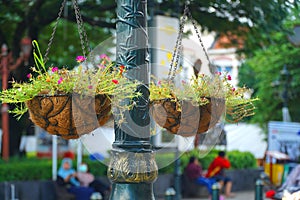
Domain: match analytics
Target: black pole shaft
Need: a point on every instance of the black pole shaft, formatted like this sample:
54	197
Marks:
258	190
215	192
177	175
132	167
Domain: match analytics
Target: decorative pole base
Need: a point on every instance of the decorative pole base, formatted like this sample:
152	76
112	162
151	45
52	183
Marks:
132	167
133	174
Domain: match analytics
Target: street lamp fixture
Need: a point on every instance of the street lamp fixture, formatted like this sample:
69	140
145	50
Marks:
26	48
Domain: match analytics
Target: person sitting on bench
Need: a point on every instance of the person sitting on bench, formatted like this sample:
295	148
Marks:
194	172
216	170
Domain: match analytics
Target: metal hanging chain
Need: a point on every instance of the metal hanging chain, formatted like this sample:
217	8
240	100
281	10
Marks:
178	47
79	21
82	34
200	40
54	31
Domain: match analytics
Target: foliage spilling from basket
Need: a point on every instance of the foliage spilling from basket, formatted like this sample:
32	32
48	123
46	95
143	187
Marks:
70	103
198	105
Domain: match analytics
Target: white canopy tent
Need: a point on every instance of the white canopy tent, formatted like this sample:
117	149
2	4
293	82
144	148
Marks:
246	137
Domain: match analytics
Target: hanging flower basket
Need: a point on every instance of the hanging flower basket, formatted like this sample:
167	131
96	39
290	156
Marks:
69	115
184	118
70	103
199	103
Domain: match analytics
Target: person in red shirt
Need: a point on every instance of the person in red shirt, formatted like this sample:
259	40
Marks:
216	170
194	172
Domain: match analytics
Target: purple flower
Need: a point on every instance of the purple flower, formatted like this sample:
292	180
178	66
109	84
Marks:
104	56
60	80
101	66
54	69
80	59
29	75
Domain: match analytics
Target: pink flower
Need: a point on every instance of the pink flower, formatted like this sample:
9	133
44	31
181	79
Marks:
229	77
158	82
115	81
101	66
29	75
104	56
233	89
90	87
183	82
54	69
80	59
218	73
60	80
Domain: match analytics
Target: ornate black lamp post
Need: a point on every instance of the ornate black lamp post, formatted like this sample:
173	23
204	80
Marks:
286	78
283	82
132	167
295	37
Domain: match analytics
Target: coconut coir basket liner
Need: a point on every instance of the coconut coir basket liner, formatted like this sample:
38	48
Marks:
184	118
69	115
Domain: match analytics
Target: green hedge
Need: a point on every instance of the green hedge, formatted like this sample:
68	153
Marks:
242	160
25	169
41	169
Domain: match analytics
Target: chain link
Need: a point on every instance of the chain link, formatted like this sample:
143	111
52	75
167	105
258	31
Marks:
178	46
54	31
82	34
81	31
200	40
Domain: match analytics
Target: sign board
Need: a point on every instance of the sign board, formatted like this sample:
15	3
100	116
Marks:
285	138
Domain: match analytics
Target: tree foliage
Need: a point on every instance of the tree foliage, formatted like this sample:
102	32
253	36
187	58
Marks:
37	18
262	73
255	18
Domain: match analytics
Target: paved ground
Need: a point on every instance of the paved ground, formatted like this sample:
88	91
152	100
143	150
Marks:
241	195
